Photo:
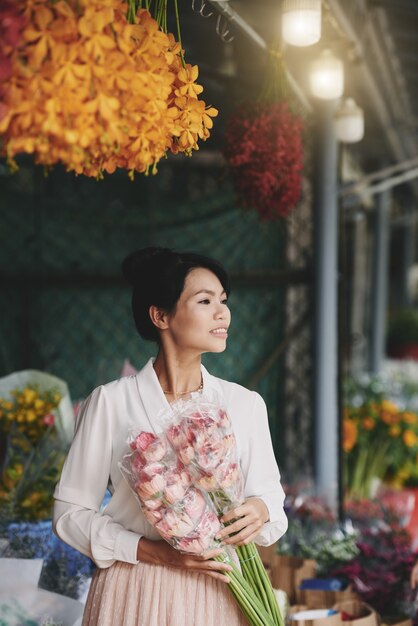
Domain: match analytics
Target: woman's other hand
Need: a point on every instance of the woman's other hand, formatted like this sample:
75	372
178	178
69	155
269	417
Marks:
244	522
161	553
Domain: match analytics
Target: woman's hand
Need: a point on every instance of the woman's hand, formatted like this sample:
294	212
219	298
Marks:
161	553
246	522
414	576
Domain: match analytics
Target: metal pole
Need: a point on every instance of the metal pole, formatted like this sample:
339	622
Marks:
379	281
325	366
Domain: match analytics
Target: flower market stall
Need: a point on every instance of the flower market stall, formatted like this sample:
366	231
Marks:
225	127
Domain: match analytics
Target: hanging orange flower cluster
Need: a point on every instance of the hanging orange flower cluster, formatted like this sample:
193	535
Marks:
95	92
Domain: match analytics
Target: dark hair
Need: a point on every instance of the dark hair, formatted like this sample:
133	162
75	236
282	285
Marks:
157	276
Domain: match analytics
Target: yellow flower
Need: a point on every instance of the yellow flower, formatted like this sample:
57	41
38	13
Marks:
30	415
389	407
29	395
410	438
394	431
39	404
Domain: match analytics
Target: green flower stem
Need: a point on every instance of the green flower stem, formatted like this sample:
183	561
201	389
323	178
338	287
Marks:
269	589
244	595
256	574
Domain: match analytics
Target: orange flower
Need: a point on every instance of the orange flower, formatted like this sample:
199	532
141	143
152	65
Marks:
410	438
368	423
410	418
390	418
349	435
96	93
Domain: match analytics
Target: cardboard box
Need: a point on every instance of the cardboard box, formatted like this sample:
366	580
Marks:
396	622
363	613
287	572
267	553
317	599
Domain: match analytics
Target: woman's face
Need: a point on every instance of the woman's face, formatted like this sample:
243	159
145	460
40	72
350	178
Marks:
201	318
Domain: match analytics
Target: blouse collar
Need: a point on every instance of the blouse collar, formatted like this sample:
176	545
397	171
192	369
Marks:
153	399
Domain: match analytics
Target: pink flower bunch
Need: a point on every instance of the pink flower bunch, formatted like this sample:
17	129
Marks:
179	511
204	441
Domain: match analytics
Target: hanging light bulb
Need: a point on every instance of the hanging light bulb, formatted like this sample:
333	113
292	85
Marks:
327	76
349	122
301	22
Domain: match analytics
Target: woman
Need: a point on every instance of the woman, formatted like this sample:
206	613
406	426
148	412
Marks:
179	301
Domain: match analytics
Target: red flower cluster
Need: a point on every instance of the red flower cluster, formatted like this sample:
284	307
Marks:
263	146
11	26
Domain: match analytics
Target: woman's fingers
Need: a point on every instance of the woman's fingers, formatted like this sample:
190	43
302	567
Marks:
200	565
238	525
245	536
210	554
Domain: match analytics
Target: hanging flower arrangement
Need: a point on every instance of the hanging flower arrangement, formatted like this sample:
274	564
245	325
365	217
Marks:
11	26
98	85
263	148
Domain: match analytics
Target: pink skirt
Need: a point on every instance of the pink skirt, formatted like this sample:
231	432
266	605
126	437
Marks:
154	595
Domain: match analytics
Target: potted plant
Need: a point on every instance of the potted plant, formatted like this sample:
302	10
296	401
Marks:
402	335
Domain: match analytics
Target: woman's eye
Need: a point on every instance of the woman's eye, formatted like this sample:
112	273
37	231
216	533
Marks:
206	301
225	301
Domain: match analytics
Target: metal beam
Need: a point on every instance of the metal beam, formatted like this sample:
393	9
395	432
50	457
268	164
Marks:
365	182
325	211
226	11
386	184
379	282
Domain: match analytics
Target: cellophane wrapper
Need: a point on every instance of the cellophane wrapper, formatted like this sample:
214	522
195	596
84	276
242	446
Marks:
200	432
182	514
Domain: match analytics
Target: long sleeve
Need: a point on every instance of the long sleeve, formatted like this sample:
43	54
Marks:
262	476
85	476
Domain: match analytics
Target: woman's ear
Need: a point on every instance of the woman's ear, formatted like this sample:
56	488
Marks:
159	317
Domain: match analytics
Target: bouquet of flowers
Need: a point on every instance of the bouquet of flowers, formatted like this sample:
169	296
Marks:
188	476
380	440
98	85
35	425
264	149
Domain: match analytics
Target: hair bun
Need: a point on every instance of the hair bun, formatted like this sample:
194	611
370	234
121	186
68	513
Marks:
136	264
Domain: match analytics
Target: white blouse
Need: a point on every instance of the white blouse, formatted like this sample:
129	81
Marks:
133	403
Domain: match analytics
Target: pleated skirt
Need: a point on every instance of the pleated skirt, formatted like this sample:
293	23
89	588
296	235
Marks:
154	595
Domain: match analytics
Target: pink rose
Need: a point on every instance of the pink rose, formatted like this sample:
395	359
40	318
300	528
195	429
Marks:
176	435
207	527
194	504
144	440
207	482
49	419
174	492
152	505
224	420
186	454
151	447
152	469
151	489
229	476
153	516
174	524
191	545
